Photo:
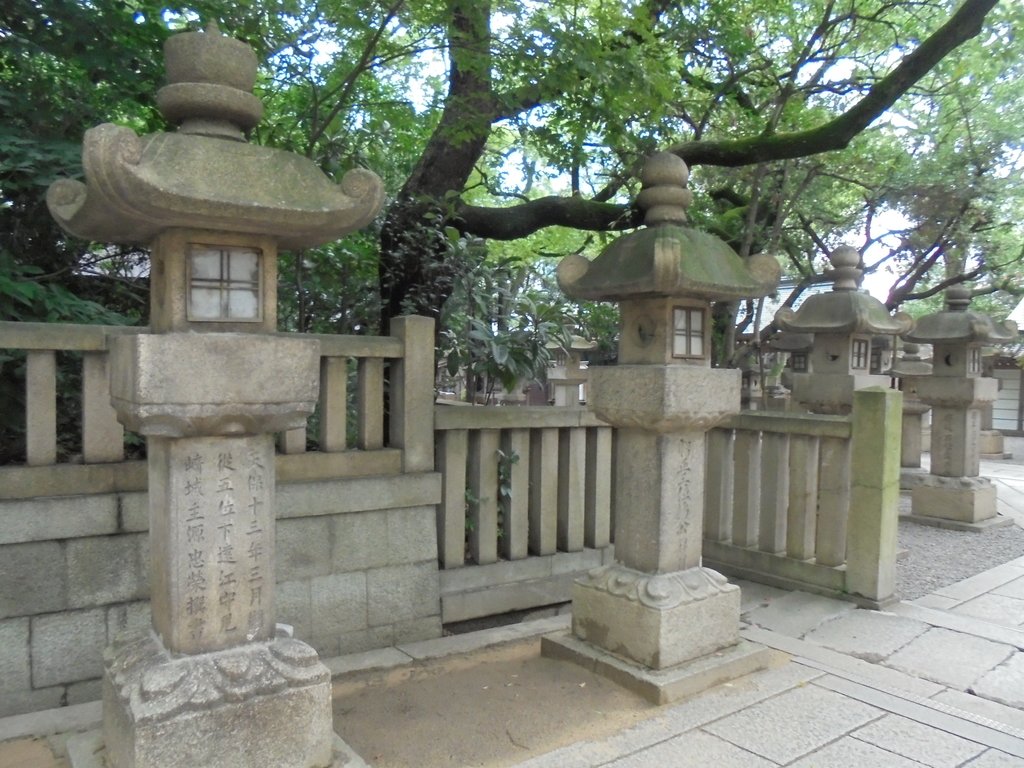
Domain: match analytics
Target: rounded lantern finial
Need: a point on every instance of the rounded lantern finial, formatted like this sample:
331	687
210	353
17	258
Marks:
664	197
846	274
210	78
958	298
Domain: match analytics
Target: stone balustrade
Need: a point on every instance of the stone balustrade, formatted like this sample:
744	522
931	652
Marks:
808	501
526	505
350	441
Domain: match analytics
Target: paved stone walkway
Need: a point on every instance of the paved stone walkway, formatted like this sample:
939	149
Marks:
935	682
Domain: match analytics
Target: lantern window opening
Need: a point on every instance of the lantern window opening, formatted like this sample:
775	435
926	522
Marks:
876	360
798	362
860	353
224	284
974	360
688	332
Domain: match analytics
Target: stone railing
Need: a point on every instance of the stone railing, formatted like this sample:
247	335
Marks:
344	449
806	501
526	505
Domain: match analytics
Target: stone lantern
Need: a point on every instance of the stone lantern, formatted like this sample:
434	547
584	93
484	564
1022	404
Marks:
567	374
657	609
212	683
952	493
845	323
909	369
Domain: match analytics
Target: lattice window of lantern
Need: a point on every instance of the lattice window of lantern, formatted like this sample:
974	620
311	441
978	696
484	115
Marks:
860	354
688	332
224	284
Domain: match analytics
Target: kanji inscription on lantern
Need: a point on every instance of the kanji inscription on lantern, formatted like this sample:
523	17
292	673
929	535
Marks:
222	500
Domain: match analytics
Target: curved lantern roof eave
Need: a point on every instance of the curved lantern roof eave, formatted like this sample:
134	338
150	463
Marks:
843	312
964	326
670	261
666	259
137	187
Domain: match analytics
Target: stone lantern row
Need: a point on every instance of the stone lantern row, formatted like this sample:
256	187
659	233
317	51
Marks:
834	340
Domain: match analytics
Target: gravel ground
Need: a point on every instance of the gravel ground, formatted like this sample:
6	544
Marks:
936	557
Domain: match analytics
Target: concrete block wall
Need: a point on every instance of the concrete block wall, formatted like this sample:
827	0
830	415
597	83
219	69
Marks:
356	569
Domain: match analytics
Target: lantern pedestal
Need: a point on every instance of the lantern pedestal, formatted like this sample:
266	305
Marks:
656	621
223	708
960	503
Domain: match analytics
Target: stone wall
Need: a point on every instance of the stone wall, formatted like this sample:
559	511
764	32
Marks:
356	569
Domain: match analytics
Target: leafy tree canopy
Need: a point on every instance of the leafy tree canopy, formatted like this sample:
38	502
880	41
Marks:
891	124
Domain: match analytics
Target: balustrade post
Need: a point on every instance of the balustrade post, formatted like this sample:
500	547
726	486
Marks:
370	403
333	403
874	496
102	433
833	501
412	393
41	408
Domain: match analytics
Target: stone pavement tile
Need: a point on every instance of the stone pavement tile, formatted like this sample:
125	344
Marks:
797	613
982	582
949	658
754	595
840	664
851	753
693	750
868	635
937	602
927	745
1013	588
679	718
994	759
969	625
794	723
1005	683
983	708
998	609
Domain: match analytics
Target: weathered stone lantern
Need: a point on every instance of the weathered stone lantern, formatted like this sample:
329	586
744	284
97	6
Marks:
844	323
567	374
212	684
953	493
910	369
657	608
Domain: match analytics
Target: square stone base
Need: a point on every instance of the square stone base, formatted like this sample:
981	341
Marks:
663	686
656	620
260	705
969	500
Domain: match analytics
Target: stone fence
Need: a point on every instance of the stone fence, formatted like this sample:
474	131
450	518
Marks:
526	505
806	501
389	526
357	563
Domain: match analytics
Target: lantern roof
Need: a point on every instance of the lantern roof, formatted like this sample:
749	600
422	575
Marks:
206	175
667	258
958	323
845	309
910	362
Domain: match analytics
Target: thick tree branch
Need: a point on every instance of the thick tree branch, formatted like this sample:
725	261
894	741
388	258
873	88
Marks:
836	134
521	220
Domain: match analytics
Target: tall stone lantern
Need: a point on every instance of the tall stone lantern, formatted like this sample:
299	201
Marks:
212	683
656	608
953	493
844	323
910	369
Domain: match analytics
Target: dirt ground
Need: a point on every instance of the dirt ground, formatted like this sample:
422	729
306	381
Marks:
496	707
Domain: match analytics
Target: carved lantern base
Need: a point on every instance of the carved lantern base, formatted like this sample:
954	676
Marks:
961	502
658	620
261	705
